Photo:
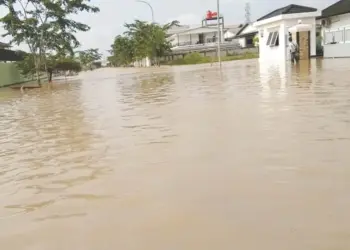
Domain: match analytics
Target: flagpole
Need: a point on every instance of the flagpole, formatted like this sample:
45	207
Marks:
219	33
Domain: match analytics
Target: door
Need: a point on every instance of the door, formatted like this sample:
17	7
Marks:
201	38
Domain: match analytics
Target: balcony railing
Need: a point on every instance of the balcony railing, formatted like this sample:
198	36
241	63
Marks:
189	45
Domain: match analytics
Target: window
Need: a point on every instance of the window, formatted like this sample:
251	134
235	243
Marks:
338	36
269	39
273	39
347	35
328	37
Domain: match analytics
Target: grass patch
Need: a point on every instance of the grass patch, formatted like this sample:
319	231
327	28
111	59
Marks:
197	58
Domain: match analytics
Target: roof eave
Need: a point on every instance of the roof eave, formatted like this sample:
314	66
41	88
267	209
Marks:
246	34
241	29
331	15
286	17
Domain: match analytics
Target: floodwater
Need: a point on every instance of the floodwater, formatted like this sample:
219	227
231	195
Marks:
254	156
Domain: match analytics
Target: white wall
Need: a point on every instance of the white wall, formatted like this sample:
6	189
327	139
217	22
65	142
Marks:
341	49
145	62
242	42
228	34
275	53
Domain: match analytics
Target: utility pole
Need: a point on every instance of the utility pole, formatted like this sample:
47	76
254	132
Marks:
150	6
247	12
219	31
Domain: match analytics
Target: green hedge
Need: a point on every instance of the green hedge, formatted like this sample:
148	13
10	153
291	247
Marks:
197	58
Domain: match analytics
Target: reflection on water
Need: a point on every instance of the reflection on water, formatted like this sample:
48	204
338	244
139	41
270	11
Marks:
251	157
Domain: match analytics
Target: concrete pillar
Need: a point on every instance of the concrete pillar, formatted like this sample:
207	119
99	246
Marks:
282	42
313	39
304	45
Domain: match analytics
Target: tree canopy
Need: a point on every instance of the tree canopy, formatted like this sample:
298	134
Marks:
141	40
88	57
44	26
54	62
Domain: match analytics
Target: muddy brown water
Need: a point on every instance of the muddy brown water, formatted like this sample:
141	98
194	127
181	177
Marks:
254	156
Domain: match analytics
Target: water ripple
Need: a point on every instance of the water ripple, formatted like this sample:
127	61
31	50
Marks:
251	151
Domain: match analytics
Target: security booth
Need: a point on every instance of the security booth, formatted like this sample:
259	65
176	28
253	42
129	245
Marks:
300	34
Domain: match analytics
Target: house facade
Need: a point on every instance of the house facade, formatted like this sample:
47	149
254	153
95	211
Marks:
203	38
231	31
335	21
274	27
195	36
245	36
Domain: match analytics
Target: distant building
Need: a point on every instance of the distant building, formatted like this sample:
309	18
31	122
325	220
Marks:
246	34
8	71
204	37
7	55
231	31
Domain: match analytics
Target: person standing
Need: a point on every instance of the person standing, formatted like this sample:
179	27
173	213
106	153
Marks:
294	51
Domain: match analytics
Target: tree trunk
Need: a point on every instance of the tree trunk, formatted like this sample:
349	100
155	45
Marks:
38	77
37	69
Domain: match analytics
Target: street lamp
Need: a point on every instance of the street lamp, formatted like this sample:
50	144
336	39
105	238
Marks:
219	33
150	6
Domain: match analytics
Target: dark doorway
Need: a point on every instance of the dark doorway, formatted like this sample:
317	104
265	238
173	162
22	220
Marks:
201	38
250	41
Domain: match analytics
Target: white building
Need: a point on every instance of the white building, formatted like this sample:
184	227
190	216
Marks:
196	36
231	31
336	29
186	39
246	34
273	31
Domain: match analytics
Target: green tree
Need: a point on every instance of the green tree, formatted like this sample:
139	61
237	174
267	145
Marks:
88	57
122	50
44	26
149	39
54	62
63	63
256	40
27	65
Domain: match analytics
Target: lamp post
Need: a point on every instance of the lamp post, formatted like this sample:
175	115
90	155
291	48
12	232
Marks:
149	5
219	33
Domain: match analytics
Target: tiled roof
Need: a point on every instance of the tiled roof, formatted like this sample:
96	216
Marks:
290	9
233	28
241	29
9	55
340	7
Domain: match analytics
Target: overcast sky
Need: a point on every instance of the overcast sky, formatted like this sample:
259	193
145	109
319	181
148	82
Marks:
114	13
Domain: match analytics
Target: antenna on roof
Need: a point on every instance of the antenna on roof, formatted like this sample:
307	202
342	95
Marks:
247	12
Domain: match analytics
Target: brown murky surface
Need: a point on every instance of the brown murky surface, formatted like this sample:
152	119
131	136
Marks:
254	157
